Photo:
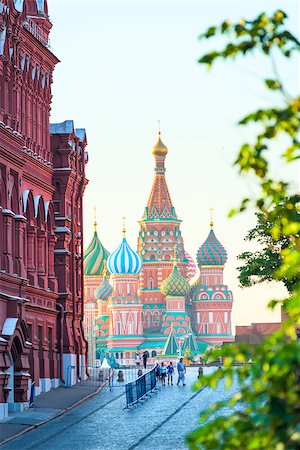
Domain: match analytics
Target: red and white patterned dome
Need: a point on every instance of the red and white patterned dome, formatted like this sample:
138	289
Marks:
191	268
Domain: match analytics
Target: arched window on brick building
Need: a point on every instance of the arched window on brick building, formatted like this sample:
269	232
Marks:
42	245
14	206
51	240
31	233
2	206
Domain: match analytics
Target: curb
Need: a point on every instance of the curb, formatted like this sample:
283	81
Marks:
61	413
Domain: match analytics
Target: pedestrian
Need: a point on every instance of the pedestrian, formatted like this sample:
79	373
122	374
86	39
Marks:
145	357
181	372
137	359
200	372
157	371
170	373
163	373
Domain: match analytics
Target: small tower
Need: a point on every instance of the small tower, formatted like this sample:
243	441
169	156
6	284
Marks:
159	232
175	287
94	260
125	308
211	299
94	257
102	294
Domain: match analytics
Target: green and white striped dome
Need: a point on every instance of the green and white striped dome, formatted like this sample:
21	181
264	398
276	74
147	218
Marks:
95	256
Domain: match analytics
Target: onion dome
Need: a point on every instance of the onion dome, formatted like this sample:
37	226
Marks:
94	256
191	268
159	148
175	285
211	252
124	260
105	290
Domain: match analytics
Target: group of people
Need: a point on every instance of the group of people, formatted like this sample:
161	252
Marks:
162	372
139	358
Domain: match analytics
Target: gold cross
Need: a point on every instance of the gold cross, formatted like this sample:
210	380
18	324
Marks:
95	219
211	218
124	226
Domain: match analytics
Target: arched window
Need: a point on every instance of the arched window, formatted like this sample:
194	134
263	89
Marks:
42	247
150	283
31	238
153	353
2	205
50	245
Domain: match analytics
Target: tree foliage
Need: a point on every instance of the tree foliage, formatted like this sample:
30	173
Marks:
265	413
262	265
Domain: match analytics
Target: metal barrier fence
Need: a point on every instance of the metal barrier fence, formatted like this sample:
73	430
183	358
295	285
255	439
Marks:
140	388
95	376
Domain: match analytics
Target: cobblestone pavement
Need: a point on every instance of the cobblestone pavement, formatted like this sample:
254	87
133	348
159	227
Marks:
160	423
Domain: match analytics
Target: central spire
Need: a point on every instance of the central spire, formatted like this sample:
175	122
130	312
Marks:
160	204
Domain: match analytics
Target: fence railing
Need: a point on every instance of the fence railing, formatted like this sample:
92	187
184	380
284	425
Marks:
140	388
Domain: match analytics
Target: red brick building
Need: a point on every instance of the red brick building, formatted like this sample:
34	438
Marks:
42	180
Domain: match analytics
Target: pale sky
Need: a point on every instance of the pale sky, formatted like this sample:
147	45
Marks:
124	65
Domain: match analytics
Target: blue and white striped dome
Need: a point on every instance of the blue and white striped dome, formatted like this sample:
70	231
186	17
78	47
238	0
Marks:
124	260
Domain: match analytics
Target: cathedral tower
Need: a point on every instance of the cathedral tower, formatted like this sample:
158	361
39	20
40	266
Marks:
159	232
211	299
125	307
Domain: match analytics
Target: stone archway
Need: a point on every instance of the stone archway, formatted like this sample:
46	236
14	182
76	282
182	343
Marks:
20	381
17	355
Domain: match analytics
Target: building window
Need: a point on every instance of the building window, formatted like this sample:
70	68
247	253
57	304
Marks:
218	328
41	352
150	284
225	317
128	289
198	317
205	328
118	328
50	352
130	328
210	317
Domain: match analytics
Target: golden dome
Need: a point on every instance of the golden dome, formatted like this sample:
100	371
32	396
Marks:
159	148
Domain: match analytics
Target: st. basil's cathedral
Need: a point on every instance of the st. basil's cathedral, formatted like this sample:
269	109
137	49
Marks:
143	300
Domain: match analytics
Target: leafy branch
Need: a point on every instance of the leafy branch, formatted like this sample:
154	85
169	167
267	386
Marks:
266	411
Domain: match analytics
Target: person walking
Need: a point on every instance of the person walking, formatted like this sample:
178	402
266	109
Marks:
163	373
200	372
145	357
157	371
137	359
170	373
181	372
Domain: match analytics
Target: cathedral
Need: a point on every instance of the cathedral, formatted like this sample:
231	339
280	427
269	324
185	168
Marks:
143	299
